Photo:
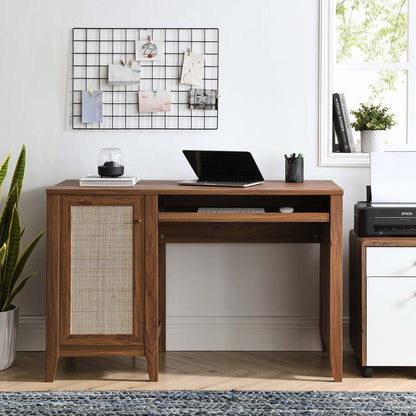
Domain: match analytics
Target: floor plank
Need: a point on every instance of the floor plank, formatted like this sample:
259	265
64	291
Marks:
204	370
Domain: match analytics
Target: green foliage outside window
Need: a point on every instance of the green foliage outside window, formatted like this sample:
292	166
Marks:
373	31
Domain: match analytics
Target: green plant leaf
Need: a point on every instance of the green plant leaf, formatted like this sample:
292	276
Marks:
11	266
2	253
3	169
19	172
372	117
2	256
23	259
12	254
16	290
7	215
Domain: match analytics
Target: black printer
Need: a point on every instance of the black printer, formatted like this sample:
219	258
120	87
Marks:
387	220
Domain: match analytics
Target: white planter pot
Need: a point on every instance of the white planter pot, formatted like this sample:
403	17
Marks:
8	333
373	140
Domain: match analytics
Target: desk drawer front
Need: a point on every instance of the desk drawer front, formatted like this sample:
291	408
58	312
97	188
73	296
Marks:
391	261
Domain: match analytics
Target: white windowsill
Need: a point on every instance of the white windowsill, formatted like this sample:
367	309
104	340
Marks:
346	159
358	159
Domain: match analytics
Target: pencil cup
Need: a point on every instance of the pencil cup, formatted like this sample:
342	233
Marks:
294	170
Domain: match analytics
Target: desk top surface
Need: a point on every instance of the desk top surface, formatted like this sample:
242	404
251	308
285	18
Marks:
313	187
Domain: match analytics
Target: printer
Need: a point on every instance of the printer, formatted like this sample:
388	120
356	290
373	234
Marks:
384	220
390	209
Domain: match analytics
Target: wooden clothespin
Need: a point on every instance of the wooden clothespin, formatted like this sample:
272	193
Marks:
131	64
122	61
189	51
149	38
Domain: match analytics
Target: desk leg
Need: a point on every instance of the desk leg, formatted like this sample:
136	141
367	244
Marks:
162	297
331	288
52	288
151	291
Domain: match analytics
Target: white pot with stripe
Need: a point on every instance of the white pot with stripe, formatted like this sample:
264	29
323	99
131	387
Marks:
8	333
373	140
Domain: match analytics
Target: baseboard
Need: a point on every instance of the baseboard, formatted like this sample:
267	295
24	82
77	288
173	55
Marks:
246	333
31	333
213	333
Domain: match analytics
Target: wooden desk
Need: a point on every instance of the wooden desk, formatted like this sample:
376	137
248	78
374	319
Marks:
156	213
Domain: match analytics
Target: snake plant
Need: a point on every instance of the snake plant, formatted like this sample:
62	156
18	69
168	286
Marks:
11	262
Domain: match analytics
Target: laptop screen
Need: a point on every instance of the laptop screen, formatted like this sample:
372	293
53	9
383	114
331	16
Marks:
223	166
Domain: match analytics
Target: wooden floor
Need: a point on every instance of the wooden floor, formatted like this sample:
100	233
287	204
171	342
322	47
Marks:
204	371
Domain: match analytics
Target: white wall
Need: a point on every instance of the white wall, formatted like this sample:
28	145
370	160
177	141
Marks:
269	90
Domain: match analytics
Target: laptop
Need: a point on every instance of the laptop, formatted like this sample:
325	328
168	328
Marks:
223	168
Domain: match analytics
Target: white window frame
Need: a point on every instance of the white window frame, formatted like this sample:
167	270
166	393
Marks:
326	70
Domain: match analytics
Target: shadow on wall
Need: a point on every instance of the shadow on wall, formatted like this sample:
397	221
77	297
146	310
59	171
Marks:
32	209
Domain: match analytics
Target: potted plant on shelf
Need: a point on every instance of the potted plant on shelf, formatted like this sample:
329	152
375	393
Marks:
11	262
372	121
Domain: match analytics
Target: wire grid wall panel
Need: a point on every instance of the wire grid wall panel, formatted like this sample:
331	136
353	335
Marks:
96	48
101	270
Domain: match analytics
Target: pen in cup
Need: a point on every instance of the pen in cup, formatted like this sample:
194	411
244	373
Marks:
294	167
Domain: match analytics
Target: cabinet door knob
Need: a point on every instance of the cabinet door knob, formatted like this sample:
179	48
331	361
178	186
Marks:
138	221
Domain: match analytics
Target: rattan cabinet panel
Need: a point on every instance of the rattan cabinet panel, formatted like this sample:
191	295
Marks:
102	258
101	270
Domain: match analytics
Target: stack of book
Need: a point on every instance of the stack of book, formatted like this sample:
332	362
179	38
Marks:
342	124
97	180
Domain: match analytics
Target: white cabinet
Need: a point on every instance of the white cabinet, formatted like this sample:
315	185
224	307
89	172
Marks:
383	301
391	261
391	321
391	306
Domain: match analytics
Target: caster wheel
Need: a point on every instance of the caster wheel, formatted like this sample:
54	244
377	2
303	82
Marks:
367	372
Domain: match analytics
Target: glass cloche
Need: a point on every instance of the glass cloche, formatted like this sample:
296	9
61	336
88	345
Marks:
110	162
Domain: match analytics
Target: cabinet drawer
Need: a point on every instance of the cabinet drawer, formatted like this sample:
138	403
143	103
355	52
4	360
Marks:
391	321
391	261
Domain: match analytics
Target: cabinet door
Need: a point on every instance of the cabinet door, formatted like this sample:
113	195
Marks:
102	265
391	321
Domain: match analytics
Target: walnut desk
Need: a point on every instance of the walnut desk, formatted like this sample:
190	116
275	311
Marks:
106	257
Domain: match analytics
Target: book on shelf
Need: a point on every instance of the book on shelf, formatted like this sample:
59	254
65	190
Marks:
335	144
346	116
340	124
97	180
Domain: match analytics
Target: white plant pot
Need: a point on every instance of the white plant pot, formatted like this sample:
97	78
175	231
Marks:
8	333
372	140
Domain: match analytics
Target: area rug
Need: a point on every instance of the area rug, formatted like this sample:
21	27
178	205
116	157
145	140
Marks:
201	403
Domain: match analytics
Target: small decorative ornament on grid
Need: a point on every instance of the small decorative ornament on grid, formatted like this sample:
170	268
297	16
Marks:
149	49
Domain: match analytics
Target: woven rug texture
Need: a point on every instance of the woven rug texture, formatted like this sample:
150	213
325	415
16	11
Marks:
201	403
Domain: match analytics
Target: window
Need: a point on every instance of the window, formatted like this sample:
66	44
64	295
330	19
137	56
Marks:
366	52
